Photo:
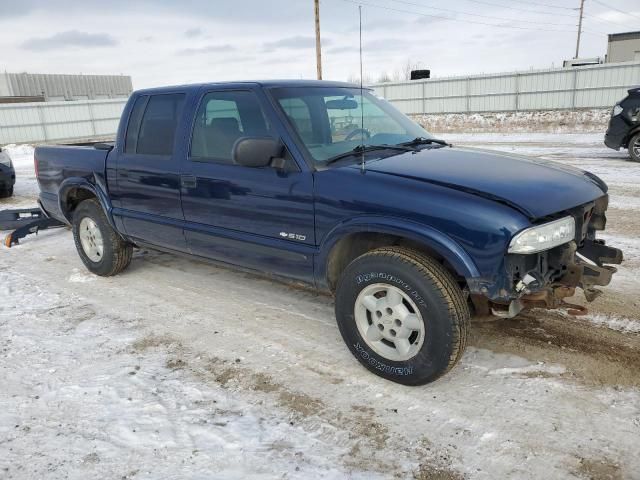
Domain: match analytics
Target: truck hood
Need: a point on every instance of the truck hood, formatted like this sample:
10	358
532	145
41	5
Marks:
535	187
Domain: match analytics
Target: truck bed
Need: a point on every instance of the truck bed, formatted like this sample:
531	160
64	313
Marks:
55	164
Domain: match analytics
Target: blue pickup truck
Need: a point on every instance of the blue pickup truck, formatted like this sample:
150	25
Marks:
327	184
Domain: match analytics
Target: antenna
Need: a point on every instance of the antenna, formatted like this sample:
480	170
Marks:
361	96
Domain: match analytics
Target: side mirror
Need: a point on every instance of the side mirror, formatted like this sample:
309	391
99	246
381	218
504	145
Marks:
256	151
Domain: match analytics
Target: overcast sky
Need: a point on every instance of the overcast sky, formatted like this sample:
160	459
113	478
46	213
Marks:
164	42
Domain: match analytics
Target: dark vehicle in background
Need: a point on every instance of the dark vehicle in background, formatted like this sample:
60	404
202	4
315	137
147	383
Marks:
7	175
624	126
325	183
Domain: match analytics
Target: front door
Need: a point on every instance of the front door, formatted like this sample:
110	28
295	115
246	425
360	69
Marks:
148	173
260	218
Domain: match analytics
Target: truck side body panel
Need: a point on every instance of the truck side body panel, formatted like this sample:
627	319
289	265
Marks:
259	218
463	236
146	186
62	168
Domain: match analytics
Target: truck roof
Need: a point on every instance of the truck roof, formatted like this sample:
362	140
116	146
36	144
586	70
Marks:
261	83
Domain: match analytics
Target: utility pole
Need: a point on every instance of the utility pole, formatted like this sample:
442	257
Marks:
579	28
318	45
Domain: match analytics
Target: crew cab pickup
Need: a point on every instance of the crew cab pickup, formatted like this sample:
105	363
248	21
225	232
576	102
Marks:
327	184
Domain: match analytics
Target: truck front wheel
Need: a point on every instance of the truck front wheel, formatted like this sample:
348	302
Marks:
402	315
634	148
100	247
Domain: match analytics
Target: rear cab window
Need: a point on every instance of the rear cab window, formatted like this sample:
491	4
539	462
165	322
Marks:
152	124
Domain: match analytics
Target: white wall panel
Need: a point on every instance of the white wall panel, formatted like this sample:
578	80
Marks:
65	87
597	86
44	122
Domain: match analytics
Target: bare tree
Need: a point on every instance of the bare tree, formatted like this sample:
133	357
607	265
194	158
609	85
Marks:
408	67
384	77
355	78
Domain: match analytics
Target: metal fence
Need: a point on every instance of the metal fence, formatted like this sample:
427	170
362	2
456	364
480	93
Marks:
59	87
58	122
596	86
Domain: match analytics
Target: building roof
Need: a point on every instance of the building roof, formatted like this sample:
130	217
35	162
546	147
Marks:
613	37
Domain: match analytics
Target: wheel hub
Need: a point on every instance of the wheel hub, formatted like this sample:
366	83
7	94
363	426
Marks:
389	322
91	239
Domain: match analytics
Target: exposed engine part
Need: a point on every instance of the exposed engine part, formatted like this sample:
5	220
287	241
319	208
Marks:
530	279
559	272
550	298
513	309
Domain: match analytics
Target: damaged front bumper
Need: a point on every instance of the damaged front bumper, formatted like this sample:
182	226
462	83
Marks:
546	279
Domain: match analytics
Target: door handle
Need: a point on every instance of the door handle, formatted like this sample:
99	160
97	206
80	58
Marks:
188	181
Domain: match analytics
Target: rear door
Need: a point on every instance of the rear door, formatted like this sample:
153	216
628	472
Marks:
261	218
147	189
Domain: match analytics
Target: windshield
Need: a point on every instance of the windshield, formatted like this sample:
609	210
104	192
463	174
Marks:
332	121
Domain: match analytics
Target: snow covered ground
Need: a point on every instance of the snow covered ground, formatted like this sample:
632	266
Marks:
558	121
179	369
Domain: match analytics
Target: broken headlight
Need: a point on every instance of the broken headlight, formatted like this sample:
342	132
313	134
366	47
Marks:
544	237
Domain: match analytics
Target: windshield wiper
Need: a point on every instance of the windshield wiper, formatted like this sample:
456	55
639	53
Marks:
360	149
425	141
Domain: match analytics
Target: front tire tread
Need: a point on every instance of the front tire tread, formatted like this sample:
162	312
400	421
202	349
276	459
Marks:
450	291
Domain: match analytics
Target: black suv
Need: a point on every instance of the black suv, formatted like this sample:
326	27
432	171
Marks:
624	126
7	175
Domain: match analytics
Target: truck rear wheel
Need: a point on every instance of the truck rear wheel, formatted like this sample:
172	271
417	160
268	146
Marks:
402	315
100	247
6	192
634	148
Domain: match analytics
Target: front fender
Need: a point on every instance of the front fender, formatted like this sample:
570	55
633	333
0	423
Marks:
82	183
425	235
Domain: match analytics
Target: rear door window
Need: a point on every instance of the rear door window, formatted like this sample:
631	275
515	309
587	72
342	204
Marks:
157	130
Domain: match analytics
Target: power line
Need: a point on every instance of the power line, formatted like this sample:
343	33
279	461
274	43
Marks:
616	9
544	5
594	32
413	12
483	16
602	20
482	2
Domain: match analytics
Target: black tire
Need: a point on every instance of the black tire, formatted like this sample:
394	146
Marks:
436	294
116	252
634	148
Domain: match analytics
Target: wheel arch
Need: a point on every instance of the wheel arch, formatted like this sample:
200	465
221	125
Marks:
75	190
351	239
632	133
